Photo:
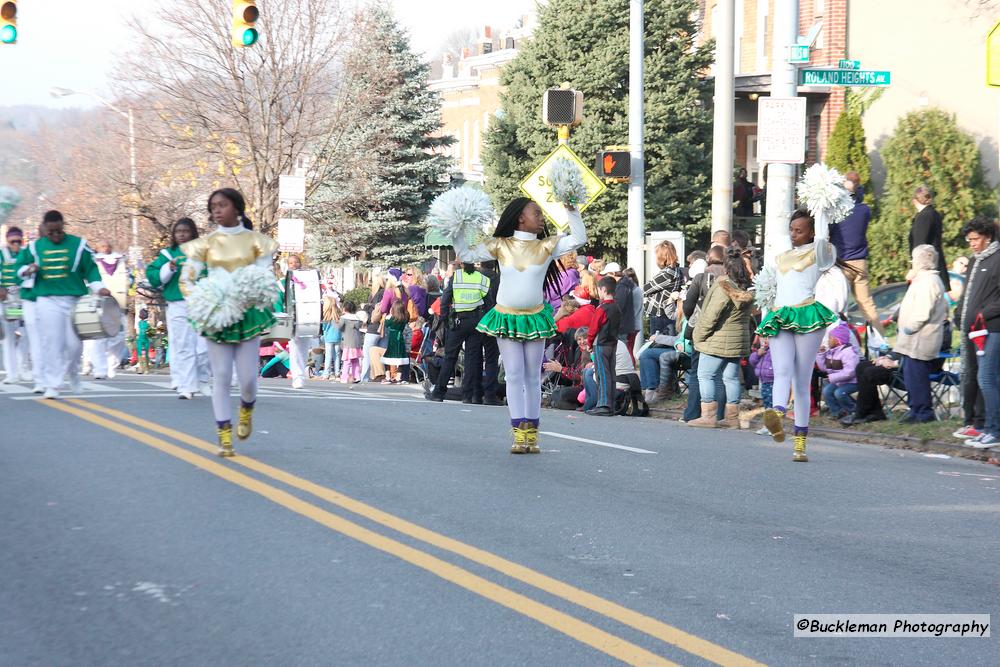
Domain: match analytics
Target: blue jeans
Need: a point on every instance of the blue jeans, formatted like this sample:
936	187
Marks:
989	383
332	357
709	369
649	367
693	409
838	398
590	390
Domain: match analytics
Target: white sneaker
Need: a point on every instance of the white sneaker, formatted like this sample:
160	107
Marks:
38	389
297	383
184	395
985	441
8	380
51	394
205	389
75	385
111	373
763	431
650	395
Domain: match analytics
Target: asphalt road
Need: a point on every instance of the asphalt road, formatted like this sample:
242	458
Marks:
367	526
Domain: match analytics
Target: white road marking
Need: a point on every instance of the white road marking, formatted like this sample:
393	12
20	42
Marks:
599	443
99	386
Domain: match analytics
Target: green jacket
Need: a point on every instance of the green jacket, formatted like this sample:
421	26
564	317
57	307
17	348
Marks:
65	269
171	289
723	328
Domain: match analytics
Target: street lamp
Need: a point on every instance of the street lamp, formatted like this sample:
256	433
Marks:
134	250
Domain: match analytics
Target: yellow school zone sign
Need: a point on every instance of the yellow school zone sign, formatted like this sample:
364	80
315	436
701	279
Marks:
538	186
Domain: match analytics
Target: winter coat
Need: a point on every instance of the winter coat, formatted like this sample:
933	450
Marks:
921	316
578	318
844	370
657	292
723	328
927	229
624	298
850	236
982	293
762	366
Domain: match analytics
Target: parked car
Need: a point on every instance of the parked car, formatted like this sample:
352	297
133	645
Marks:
887	299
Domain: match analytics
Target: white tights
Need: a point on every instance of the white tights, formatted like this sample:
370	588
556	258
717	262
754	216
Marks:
522	365
793	357
223	357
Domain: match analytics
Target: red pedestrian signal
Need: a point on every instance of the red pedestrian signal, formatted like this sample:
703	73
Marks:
614	165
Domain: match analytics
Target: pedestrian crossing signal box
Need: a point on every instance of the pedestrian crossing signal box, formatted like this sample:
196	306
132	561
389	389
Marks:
244	31
8	22
614	165
562	107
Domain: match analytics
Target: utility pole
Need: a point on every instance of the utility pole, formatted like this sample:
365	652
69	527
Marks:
636	138
724	111
784	83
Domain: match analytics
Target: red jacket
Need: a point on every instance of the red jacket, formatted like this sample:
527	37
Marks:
578	318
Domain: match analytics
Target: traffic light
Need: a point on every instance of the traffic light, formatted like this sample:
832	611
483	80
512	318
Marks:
8	22
245	14
562	106
614	164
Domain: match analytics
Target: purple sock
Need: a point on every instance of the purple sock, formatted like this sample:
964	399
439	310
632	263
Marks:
533	422
244	404
516	423
225	424
801	430
780	409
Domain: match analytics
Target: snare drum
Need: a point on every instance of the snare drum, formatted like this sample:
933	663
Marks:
280	330
97	317
304	302
12	309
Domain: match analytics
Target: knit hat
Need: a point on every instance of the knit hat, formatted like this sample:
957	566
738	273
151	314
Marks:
842	333
395	273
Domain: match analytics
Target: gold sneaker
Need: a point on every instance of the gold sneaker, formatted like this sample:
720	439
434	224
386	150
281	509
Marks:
244	427
531	439
520	433
772	422
226	442
800	450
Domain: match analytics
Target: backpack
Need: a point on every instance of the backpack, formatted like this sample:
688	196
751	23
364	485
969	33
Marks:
630	403
411	308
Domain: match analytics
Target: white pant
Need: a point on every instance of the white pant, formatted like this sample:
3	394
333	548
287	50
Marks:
188	351
298	355
227	358
104	354
60	346
34	339
14	348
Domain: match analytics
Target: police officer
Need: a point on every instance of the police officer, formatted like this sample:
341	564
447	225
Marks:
467	290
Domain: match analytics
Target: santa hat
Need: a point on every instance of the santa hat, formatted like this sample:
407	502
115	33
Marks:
582	295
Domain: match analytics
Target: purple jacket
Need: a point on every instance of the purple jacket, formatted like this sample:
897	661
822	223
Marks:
568	280
848	356
419	296
762	366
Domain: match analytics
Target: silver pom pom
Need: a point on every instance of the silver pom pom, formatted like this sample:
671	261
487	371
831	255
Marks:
821	190
567	183
211	306
765	287
254	287
463	210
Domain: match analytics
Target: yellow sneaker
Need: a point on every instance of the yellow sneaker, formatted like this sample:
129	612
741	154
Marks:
244	427
800	450
531	439
772	422
520	434
226	442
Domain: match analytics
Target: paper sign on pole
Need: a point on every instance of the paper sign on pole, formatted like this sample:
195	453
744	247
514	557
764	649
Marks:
291	234
292	192
781	129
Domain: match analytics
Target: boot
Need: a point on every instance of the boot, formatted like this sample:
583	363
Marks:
244	427
226	441
664	392
520	433
772	422
732	419
531	438
707	419
800	449
650	395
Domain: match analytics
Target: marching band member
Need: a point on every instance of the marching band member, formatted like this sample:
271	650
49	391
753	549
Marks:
11	313
188	361
58	268
522	320
105	354
298	346
231	246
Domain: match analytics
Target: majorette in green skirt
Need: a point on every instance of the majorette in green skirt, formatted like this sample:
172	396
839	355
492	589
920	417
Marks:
519	324
255	322
803	318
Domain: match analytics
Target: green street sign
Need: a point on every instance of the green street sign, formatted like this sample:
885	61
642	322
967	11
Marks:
798	53
843	77
849	64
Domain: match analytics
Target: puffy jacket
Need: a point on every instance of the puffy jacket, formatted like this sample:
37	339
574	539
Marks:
723	328
847	357
921	317
762	366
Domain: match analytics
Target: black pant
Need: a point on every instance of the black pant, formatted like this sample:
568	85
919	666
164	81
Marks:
463	332
491	367
870	377
604	375
973	407
916	378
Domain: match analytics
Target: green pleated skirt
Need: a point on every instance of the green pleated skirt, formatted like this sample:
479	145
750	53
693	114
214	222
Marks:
255	321
537	326
797	319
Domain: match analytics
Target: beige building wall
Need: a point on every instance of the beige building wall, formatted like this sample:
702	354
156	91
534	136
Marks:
936	51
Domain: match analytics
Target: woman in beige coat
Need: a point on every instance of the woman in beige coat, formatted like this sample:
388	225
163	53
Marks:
921	328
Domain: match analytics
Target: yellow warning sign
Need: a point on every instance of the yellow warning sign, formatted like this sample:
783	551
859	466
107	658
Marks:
993	57
538	186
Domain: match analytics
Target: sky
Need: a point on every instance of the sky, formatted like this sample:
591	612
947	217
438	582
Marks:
67	43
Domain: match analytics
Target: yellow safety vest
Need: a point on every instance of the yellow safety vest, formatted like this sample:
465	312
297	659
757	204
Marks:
468	291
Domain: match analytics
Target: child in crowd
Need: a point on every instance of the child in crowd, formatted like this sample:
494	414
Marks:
332	337
142	341
350	328
840	362
395	351
603	339
416	338
760	361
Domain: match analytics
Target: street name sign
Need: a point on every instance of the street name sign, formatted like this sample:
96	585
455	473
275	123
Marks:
849	64
291	234
781	129
798	53
538	186
843	77
292	192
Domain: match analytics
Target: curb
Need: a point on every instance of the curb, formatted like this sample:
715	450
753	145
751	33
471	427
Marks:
955	450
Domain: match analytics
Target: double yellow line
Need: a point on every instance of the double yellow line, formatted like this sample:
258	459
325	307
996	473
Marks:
571	626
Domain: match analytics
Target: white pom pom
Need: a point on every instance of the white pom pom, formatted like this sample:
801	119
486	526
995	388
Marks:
567	183
211	307
821	190
254	287
460	211
765	288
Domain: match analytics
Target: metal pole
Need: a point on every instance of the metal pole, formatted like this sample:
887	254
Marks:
781	177
636	140
723	138
134	180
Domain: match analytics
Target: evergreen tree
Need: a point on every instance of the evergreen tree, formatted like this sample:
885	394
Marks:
846	150
9	199
585	42
927	148
376	212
